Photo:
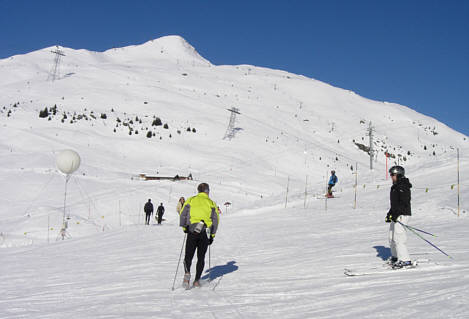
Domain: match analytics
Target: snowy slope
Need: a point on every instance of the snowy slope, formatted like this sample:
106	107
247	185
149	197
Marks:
267	263
290	260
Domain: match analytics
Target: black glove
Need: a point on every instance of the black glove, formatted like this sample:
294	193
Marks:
388	218
394	219
210	241
185	229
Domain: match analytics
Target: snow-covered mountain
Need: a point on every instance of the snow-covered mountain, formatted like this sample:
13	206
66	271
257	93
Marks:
108	106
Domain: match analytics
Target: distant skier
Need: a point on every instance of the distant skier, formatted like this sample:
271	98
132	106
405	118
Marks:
199	218
399	212
148	211
180	204
332	181
160	212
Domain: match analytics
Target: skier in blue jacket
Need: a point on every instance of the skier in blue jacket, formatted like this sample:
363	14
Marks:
332	181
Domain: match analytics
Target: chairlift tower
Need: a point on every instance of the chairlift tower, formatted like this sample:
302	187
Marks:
371	130
54	73
231	130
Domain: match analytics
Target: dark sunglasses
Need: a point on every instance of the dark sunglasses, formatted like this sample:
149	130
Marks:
393	174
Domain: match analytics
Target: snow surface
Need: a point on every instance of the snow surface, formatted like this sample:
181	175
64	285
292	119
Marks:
268	261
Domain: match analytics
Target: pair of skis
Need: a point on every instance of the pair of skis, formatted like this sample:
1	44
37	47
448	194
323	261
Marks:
385	268
202	284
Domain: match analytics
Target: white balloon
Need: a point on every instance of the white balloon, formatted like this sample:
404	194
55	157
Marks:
68	161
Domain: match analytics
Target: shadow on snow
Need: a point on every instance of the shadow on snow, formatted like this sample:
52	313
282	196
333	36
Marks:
382	252
220	271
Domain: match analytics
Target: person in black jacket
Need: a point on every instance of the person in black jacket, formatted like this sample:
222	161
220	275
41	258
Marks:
399	215
148	211
160	212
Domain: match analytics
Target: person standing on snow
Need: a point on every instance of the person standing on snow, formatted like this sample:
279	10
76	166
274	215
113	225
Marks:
148	211
180	204
332	181
399	214
199	218
160	212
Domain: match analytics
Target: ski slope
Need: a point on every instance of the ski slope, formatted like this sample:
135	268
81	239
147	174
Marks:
268	261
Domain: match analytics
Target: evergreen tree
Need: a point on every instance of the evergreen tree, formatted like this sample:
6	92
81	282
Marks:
44	113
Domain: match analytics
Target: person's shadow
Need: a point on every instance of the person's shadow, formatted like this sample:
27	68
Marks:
220	271
382	252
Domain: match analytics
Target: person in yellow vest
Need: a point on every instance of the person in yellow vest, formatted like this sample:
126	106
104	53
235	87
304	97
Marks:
199	218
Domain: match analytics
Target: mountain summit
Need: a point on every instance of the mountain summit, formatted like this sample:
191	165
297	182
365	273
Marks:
173	47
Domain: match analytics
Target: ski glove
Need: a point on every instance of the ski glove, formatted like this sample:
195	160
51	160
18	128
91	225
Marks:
388	218
185	229
210	241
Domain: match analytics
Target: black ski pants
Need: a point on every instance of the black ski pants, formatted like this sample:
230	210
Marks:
195	242
147	219
160	217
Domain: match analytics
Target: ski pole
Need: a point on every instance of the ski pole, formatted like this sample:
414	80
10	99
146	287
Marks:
434	246
179	261
208	232
209	265
422	231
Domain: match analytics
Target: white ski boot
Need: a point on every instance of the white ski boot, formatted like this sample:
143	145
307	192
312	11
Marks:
186	281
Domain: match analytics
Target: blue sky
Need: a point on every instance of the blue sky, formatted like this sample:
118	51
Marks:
410	52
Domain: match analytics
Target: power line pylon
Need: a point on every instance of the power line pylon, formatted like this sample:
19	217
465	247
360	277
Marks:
371	130
231	130
54	73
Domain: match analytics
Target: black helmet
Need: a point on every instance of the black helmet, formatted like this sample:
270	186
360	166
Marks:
397	170
203	188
